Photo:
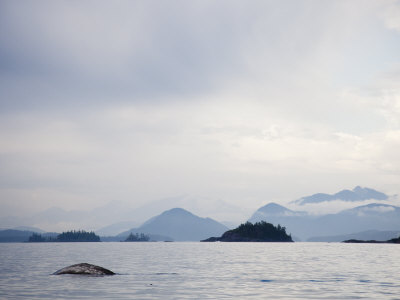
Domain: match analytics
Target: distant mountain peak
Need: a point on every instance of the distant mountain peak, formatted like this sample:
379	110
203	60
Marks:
357	194
373	208
181	225
358	189
177	211
274	208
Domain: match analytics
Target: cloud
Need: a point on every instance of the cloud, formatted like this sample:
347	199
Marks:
92	49
391	15
220	100
126	152
81	53
379	209
337	206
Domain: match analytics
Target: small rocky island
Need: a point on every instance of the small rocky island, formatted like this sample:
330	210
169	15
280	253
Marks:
257	232
392	241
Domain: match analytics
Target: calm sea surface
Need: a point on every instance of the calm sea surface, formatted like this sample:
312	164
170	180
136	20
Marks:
203	271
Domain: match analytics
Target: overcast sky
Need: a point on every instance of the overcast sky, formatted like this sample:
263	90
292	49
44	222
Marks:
245	102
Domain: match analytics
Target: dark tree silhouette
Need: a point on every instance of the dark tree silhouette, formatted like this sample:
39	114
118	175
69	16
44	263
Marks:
137	238
262	231
257	232
78	236
36	238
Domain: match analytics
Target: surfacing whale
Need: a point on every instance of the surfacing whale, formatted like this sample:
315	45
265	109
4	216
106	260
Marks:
84	269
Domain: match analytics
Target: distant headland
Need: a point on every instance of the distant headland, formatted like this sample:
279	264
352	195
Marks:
257	232
391	241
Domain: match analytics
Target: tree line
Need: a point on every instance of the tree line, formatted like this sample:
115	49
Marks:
137	238
262	231
68	236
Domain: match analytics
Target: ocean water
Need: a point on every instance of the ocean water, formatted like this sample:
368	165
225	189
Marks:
202	271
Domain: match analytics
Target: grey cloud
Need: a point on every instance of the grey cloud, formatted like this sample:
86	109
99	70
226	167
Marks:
91	49
93	52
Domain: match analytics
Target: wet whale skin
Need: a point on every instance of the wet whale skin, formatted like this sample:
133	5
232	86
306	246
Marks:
84	269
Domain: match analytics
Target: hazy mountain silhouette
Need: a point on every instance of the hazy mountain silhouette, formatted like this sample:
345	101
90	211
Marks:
357	194
373	216
116	216
17	236
116	228
274	210
181	225
214	208
14	236
29	228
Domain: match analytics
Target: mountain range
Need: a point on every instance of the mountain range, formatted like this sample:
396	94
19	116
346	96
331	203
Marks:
117	216
357	194
372	221
375	216
178	224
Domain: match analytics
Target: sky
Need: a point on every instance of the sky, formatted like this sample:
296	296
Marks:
241	102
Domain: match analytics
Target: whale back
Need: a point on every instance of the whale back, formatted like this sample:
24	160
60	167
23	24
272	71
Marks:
84	269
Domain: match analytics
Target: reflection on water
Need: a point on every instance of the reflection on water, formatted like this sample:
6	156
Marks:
202	270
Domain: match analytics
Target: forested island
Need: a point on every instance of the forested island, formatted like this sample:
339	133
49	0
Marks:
257	232
68	236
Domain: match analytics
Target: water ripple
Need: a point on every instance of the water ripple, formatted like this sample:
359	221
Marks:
202	270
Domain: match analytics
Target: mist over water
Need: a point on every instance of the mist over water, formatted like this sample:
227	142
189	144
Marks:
202	270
